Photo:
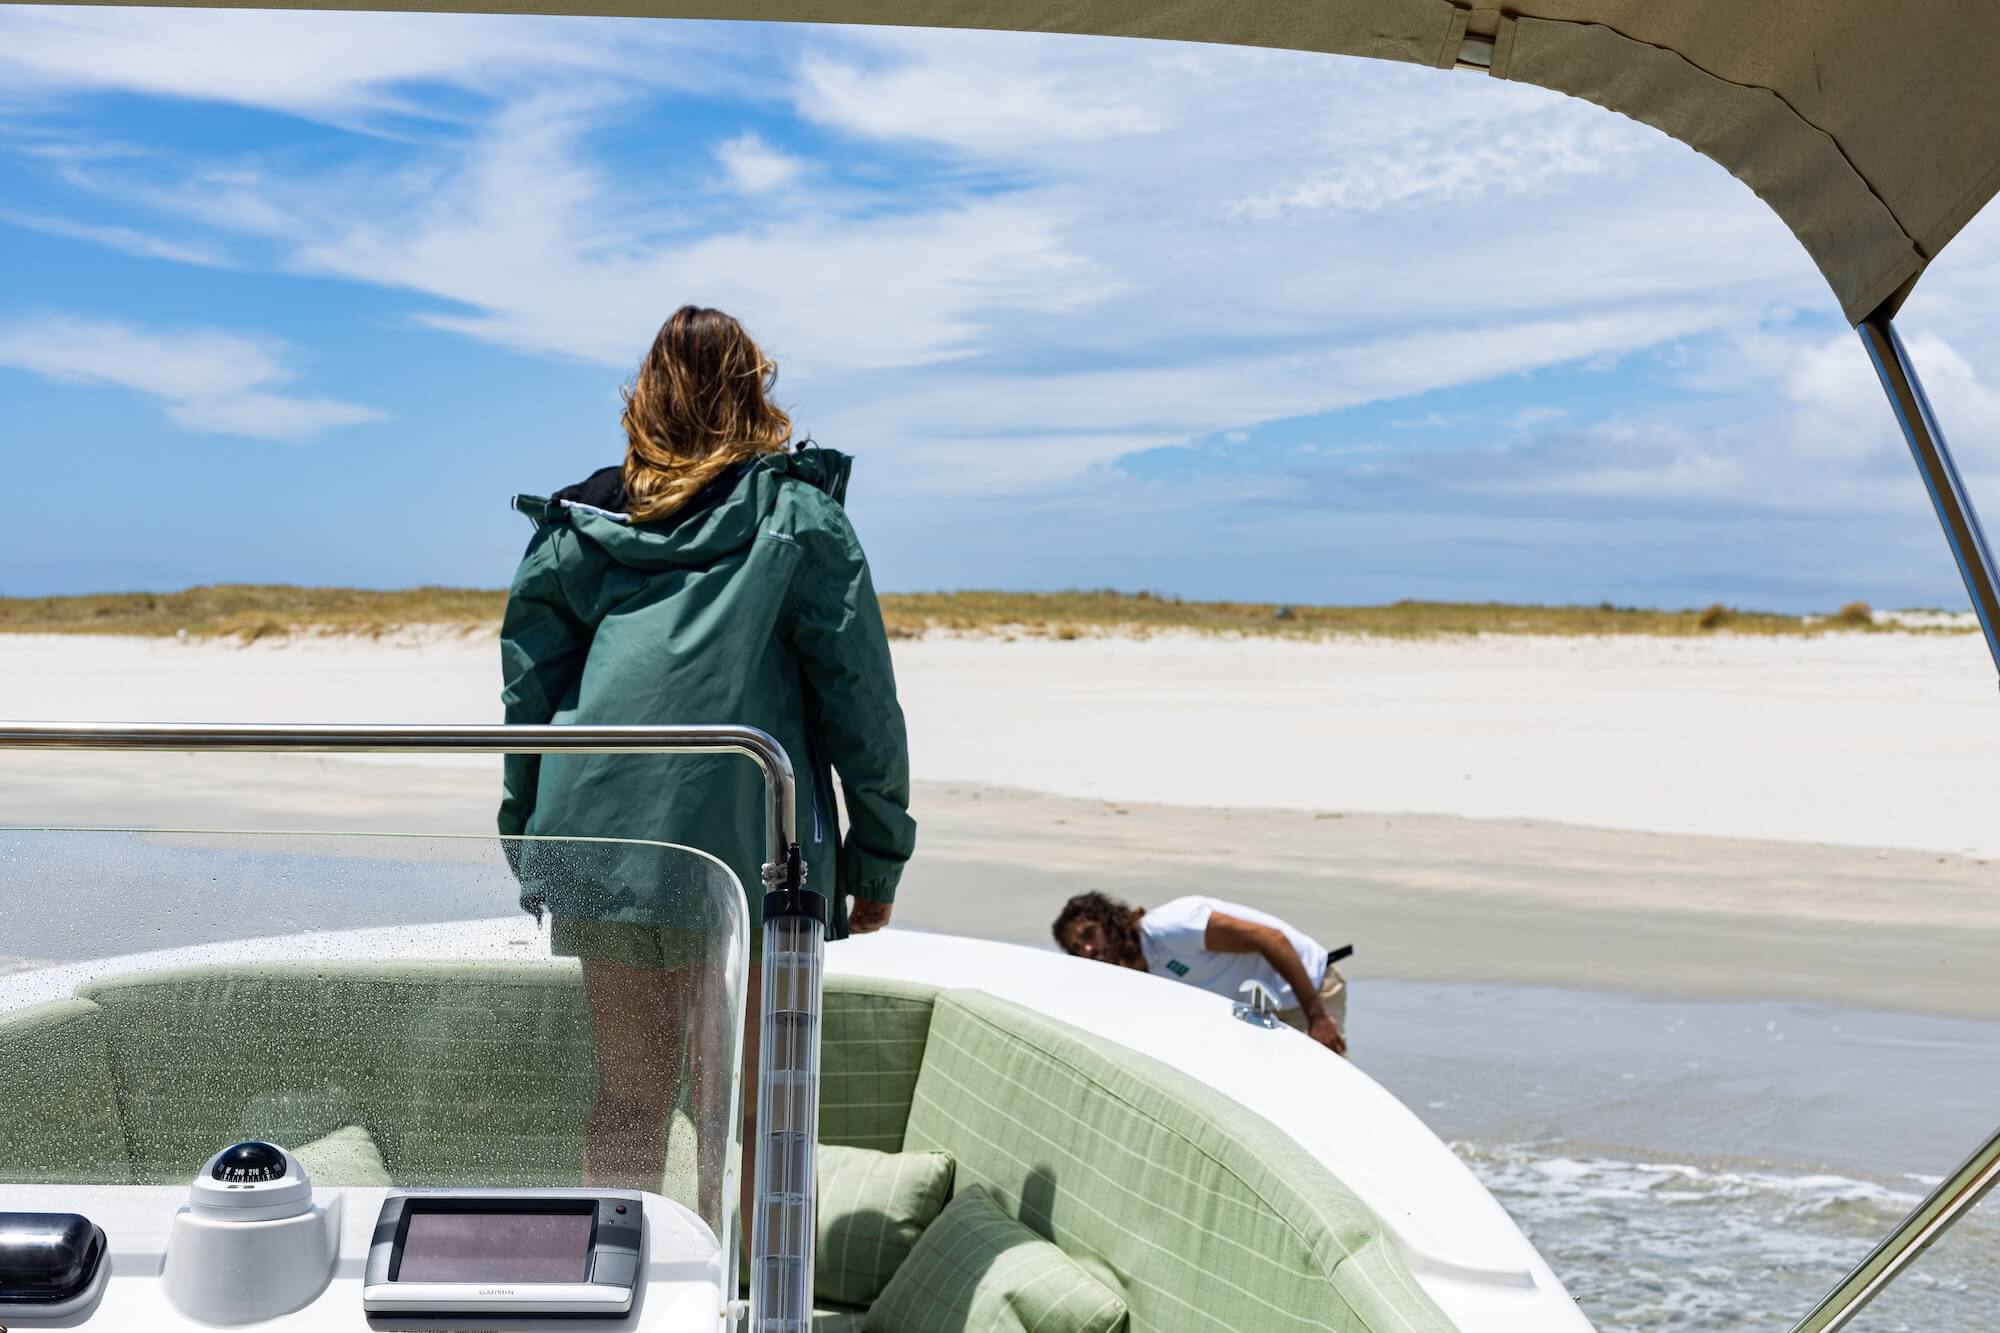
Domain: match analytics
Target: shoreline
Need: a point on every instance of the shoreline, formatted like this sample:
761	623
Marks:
261	612
1751	818
1430	898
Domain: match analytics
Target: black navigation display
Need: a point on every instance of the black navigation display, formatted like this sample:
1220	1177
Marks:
575	1252
492	1246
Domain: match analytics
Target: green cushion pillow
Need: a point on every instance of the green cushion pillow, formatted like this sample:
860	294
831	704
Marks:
872	1207
345	1157
977	1269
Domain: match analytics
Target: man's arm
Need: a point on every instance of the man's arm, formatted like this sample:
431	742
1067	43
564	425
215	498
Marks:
1229	934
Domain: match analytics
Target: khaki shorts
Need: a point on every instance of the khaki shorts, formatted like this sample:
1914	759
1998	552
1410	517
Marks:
1332	994
648	948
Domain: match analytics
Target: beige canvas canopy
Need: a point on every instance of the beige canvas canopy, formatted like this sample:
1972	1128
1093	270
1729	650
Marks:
1872	127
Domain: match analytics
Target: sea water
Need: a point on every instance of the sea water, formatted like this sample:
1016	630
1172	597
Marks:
1704	1165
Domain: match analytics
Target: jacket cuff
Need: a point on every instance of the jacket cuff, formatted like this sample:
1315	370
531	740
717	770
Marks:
881	891
867	875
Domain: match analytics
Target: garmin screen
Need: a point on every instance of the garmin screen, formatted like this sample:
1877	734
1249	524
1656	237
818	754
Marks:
496	1247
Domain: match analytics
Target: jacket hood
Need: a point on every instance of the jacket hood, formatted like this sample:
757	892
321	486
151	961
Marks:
722	518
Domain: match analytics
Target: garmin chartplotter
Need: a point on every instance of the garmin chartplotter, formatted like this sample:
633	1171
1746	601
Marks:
569	1252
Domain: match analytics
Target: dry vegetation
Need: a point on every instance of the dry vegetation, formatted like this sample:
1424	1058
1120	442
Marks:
248	612
253	611
1074	614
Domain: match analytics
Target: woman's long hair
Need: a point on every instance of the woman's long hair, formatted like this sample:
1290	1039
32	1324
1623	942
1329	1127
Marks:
701	403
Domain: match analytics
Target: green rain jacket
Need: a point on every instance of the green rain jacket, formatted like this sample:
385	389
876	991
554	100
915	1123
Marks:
752	606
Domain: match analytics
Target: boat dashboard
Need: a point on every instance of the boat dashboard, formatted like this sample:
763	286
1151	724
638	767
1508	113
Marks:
251	1242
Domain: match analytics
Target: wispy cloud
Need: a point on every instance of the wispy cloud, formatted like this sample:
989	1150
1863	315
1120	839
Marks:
1001	265
357	71
553	254
754	167
1097	248
1427	171
205	380
1003	110
125	240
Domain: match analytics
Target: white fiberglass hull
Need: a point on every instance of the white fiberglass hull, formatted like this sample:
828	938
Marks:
1458	1242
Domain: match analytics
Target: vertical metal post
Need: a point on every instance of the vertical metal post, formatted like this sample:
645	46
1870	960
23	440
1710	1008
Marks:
1948	494
782	1222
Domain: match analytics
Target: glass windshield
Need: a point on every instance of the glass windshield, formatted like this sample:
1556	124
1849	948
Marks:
415	1011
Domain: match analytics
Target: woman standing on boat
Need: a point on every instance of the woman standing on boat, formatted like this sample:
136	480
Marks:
712	578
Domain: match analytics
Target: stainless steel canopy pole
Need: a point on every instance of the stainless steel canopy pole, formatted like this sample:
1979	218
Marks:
1948	494
1966	1186
781	1261
1912	1236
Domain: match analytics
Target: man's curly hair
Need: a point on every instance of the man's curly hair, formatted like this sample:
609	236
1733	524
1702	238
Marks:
1121	923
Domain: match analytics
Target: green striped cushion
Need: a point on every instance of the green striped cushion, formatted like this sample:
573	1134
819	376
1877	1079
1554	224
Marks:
871	1049
872	1207
1212	1220
977	1269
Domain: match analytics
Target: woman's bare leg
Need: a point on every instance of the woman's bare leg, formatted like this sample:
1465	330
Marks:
706	1064
753	1031
638	1016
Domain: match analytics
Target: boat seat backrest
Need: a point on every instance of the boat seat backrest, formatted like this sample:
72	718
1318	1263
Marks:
459	1070
871	1049
1196	1209
59	1116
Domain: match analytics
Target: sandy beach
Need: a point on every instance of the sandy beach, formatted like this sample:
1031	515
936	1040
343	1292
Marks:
1730	818
1631	914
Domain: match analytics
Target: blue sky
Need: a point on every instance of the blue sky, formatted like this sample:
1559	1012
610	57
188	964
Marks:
305	298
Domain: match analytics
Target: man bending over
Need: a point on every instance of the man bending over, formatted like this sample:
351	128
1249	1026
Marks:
1217	946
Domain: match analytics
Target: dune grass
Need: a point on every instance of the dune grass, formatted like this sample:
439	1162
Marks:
248	612
1073	614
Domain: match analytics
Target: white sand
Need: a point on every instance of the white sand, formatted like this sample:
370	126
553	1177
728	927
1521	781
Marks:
1248	769
1880	741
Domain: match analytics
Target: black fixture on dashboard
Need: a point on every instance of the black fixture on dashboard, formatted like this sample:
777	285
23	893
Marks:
48	1262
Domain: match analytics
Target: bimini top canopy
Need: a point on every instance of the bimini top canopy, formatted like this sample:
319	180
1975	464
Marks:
1872	128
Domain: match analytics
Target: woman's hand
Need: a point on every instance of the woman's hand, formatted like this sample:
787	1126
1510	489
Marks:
865	915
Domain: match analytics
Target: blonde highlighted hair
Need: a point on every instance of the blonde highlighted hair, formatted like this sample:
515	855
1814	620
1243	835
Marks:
700	404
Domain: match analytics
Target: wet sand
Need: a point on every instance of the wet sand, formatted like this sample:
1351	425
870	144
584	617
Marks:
1722	818
1422	897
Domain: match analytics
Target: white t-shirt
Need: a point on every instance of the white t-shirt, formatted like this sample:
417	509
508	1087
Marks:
1170	936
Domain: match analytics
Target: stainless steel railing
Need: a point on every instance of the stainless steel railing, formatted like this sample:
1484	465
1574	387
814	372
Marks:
1961	1190
780	786
782	1256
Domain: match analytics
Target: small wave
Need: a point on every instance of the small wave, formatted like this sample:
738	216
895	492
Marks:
1675	1245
